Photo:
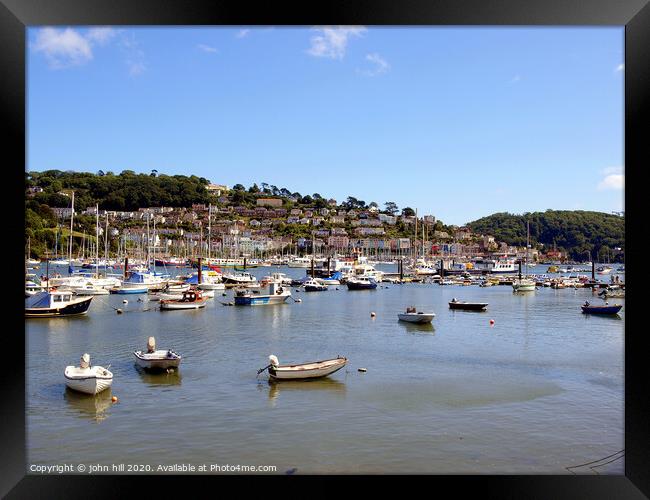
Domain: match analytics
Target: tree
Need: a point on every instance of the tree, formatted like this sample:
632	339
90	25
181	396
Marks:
254	189
391	207
408	212
100	173
154	173
238	187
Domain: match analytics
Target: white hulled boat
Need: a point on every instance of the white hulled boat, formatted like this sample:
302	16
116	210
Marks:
87	379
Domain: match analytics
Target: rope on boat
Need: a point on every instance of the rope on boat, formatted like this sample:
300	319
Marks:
622	452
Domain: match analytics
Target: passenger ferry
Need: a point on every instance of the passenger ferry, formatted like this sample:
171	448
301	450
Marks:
504	266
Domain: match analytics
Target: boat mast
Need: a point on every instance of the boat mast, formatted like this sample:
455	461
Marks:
209	232
527	243
71	225
106	246
97	241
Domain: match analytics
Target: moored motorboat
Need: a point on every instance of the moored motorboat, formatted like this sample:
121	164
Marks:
413	316
153	359
314	286
587	308
87	379
361	283
467	306
277	295
51	304
310	370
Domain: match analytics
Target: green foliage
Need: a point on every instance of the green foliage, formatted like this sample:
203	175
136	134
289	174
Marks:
126	191
576	232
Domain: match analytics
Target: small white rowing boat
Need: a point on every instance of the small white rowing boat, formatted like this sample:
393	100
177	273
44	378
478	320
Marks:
314	369
87	379
152	359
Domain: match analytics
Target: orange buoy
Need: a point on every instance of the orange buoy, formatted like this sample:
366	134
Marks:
114	399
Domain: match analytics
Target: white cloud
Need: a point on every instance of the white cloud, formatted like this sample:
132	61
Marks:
101	35
515	79
206	48
614	179
381	66
620	67
332	42
135	59
62	48
242	33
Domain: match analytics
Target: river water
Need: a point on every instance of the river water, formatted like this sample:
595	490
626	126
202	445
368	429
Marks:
540	390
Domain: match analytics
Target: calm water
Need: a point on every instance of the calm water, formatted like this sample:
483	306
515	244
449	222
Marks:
539	391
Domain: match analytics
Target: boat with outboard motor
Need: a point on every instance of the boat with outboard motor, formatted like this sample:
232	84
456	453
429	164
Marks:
413	316
587	308
310	370
467	306
156	359
86	378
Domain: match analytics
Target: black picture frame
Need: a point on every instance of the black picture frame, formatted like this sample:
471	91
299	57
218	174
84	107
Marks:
16	15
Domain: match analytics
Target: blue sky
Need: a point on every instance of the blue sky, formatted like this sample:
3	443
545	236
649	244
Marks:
456	122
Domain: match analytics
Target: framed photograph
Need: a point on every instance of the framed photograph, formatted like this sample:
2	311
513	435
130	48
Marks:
364	243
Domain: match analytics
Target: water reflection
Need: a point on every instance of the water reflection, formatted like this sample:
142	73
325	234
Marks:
418	327
598	317
322	384
88	406
172	377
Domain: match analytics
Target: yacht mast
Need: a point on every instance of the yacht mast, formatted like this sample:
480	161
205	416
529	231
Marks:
71	225
97	241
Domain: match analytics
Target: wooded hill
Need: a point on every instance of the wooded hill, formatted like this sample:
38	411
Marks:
576	232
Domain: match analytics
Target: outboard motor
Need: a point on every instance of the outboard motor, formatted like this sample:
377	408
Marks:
85	361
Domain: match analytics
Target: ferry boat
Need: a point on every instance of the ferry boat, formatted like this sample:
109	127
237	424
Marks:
223	262
300	262
53	304
503	266
277	295
239	278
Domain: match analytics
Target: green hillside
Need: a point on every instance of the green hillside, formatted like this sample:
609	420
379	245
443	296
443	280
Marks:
576	232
